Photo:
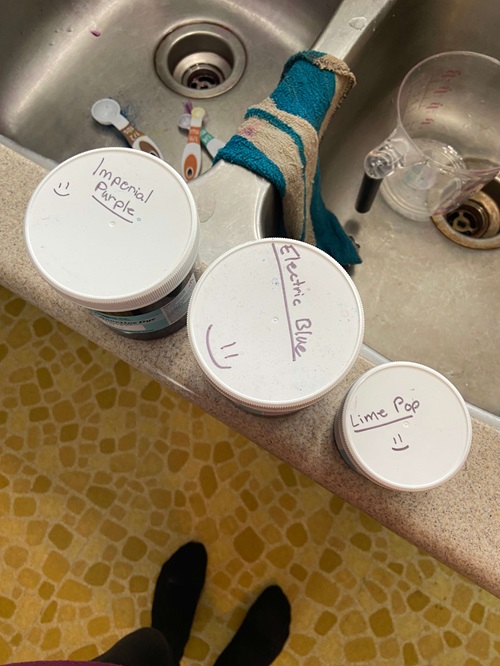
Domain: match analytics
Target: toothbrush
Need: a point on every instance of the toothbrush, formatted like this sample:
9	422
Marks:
191	157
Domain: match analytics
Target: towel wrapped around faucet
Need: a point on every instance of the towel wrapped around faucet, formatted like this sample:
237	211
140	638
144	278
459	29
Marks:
279	140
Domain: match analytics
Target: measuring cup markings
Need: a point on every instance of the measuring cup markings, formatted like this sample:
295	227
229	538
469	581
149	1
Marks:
441	89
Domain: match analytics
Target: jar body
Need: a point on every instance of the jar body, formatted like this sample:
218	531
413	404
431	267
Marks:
403	426
275	324
116	231
154	321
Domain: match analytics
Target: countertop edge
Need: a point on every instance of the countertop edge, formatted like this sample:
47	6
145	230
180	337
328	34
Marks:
455	523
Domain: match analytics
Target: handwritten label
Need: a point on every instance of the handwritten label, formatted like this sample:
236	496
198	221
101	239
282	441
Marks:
400	410
294	290
116	194
302	334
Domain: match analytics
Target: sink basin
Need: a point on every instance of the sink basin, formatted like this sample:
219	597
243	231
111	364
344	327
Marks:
426	298
57	58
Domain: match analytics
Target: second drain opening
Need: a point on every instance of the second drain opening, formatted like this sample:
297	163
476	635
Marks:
200	60
476	222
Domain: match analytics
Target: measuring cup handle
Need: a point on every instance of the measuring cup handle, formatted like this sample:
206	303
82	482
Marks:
380	162
367	192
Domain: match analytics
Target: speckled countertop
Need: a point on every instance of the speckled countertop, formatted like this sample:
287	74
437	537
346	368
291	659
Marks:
457	523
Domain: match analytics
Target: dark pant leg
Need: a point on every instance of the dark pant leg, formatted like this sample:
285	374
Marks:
143	647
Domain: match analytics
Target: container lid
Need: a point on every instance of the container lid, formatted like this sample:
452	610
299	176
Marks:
113	229
275	324
406	427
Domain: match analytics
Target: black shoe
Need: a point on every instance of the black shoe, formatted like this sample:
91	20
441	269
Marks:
176	595
263	633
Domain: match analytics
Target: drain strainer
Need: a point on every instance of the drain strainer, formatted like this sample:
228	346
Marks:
200	60
476	222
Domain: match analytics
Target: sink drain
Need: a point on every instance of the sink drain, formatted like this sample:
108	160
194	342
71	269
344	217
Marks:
476	222
200	60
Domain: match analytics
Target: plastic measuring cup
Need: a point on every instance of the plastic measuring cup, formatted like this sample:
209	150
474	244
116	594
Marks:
446	144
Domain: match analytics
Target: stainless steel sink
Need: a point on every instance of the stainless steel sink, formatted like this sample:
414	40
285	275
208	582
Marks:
426	299
59	56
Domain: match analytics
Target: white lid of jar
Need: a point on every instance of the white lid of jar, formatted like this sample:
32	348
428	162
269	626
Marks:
275	324
113	229
405	426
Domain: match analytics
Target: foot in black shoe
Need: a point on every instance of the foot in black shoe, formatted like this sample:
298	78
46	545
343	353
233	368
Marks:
176	595
262	634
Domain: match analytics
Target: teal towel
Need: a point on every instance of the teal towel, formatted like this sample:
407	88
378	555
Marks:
279	140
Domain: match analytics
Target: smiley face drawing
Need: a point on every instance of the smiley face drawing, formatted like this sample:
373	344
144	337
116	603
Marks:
399	448
61	190
228	347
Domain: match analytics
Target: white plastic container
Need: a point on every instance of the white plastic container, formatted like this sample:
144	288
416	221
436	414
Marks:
116	231
404	426
275	324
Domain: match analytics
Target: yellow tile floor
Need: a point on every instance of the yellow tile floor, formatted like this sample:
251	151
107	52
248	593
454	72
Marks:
103	474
